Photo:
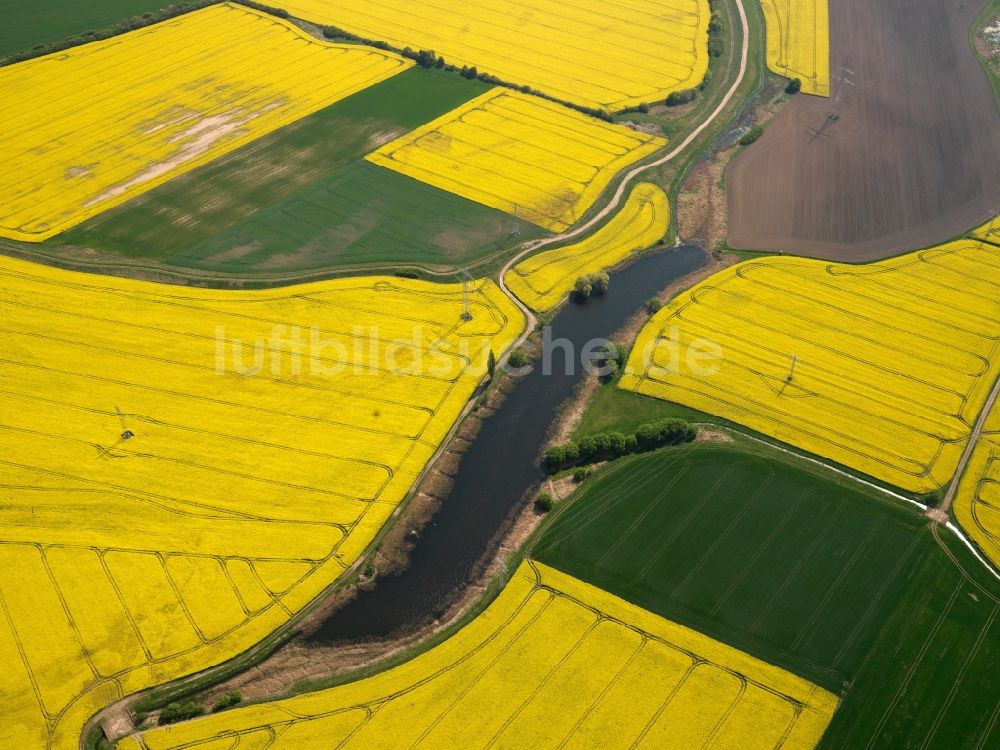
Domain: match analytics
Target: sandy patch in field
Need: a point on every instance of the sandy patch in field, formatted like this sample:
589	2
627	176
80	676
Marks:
194	141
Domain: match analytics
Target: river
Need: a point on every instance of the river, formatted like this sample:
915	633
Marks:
501	464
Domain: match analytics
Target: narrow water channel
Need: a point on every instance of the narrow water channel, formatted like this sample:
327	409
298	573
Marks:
501	464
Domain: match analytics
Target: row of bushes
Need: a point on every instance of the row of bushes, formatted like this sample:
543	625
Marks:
715	34
715	49
185	710
607	445
428	59
131	24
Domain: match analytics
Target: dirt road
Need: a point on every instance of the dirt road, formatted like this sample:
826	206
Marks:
977	431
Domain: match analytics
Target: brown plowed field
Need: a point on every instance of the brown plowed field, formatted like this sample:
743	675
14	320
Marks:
914	158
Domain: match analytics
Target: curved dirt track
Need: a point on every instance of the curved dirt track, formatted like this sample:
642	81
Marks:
626	182
912	160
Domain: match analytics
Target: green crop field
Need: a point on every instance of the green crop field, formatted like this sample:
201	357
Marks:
843	586
52	20
303	198
931	679
746	548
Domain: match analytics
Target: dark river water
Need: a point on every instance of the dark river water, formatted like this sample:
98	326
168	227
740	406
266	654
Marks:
501	464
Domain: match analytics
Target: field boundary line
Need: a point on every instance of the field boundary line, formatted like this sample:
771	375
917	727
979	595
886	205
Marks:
823	464
972	548
872	485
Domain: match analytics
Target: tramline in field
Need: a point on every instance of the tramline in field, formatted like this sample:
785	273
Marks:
520	154
883	368
272	435
588	53
798	42
553	662
93	127
977	505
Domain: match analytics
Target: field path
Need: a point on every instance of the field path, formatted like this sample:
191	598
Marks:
616	200
977	431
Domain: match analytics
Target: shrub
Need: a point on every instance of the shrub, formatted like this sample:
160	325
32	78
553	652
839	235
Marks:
600	282
427	59
228	701
653	306
794	86
580	474
518	358
560	456
175	712
544	502
715	36
751	135
934	498
677	98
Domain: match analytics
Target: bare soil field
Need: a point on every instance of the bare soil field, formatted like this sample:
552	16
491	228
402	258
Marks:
911	160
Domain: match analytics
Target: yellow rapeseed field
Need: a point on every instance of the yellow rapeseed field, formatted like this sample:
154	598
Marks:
553	662
95	126
270	436
977	504
516	152
988	232
543	281
892	361
585	52
798	42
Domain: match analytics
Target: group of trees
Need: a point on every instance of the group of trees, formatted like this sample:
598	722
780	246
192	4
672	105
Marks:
591	285
607	445
425	58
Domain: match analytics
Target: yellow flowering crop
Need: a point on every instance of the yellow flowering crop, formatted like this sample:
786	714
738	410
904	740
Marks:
95	126
553	660
798	42
512	151
585	52
892	361
543	281
977	504
271	434
989	232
